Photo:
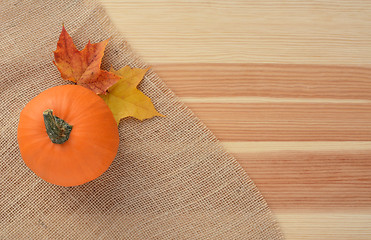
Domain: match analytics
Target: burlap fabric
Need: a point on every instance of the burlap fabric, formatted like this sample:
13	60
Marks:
171	179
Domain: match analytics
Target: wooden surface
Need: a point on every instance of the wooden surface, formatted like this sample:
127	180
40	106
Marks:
285	85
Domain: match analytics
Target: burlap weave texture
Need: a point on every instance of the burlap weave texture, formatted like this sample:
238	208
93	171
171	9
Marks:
171	178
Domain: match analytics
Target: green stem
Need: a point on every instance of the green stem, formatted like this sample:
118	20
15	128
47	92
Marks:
57	129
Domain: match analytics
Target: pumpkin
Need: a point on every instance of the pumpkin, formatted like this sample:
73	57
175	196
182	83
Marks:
67	135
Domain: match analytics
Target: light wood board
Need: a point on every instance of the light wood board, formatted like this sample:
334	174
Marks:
286	87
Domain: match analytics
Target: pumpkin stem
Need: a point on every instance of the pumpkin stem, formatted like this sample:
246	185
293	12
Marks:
57	129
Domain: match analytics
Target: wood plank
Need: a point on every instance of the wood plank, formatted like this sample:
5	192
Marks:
302	146
332	225
286	122
267	80
311	179
325	32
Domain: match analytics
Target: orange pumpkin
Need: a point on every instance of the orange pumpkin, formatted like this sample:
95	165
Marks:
67	135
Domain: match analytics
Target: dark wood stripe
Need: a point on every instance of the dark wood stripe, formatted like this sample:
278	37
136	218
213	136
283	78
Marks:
286	121
267	80
311	179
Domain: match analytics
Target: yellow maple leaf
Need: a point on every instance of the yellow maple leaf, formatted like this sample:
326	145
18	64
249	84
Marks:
125	100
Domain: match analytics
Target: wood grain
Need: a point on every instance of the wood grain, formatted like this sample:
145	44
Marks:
320	180
286	121
260	102
274	31
329	225
301	132
284	81
319	146
286	86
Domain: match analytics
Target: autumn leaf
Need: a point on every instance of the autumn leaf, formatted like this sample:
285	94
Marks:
83	67
125	100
